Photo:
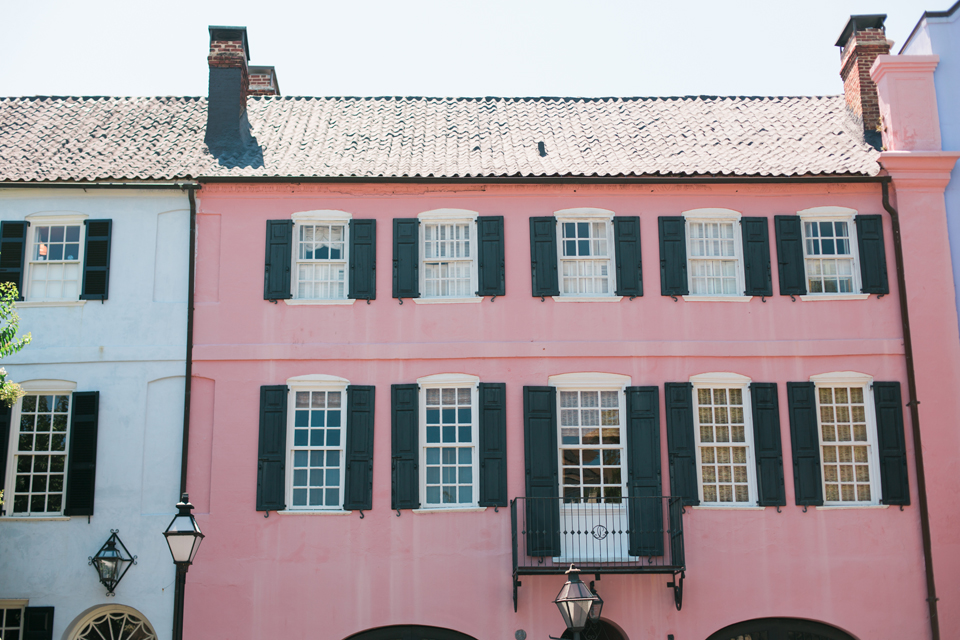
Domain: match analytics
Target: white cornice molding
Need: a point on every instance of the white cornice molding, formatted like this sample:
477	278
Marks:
448	214
720	378
331	215
841	377
589	380
584	212
714	213
449	378
317	379
48	385
827	212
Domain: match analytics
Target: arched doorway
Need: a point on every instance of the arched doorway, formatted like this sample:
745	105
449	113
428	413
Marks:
780	629
111	621
600	630
410	632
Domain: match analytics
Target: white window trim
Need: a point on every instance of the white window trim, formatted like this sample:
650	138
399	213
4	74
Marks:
728	380
587	214
573	298
589	381
437	381
325	216
450	510
15	603
448	216
313	512
314	382
851	379
43	219
835	214
716	215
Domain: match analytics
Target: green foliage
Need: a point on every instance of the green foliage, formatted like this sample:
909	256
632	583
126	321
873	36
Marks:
10	391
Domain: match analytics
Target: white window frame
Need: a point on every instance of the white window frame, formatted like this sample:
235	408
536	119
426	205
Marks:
34	221
588	215
439	381
320	216
448	216
36	388
716	215
314	382
865	381
832	214
10	604
727	380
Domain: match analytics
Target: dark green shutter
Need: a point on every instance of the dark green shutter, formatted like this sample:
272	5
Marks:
643	471
272	450
894	485
542	516
405	443
873	258
756	257
766	437
673	256
681	445
490	257
493	444
277	261
406	258
358	479
82	461
805	442
38	623
5	413
626	238
96	260
13	250
793	280
363	260
543	256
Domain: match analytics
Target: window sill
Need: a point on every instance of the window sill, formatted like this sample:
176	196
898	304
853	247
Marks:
717	298
471	300
719	507
587	298
840	507
835	296
50	303
301	302
451	510
312	512
34	518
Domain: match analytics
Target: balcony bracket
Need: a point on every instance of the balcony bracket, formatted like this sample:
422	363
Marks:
677	586
516	585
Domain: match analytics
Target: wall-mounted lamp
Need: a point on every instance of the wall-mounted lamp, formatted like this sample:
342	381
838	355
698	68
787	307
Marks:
111	562
577	603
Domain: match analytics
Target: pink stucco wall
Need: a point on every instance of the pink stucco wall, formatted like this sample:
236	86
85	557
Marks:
331	576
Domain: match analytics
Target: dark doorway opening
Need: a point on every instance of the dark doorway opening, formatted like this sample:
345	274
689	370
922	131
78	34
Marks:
596	631
780	629
410	632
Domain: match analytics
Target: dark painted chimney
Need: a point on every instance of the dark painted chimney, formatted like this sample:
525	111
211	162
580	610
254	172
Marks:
227	125
862	40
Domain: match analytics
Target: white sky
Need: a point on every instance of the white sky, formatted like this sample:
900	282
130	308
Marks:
442	48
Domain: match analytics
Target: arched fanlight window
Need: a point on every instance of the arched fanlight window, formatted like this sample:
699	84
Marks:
115	624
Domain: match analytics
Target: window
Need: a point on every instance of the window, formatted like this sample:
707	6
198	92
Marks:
321	245
714	252
847	429
586	252
11	620
38	464
448	406
55	266
316	431
448	246
724	437
590	445
829	250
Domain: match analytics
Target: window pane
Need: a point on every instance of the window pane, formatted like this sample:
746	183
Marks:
591	457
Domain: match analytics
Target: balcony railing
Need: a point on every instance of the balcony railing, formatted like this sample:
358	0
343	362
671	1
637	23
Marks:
621	535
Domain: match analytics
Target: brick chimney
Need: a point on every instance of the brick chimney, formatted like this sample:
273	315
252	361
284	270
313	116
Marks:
227	125
263	82
862	40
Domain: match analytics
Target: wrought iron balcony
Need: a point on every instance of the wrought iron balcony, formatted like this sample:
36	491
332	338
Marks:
612	535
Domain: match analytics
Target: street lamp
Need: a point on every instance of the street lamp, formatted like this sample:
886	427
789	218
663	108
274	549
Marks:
577	603
183	537
112	563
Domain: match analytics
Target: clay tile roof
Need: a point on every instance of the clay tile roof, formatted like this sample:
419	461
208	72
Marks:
101	138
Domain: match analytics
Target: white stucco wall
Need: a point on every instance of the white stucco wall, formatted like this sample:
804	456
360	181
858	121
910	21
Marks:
131	349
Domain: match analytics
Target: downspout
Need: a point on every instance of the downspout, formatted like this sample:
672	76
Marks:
914	413
188	379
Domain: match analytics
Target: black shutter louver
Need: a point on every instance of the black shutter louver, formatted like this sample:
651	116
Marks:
278	260
38	623
543	256
404	438
490	257
96	260
673	256
894	483
82	460
643	471
406	258
5	413
358	479
493	444
756	257
363	260
681	445
805	442
793	279
13	251
542	515
873	258
272	449
626	238
766	437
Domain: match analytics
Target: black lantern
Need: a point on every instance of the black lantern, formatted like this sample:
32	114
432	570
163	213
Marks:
183	537
576	602
112	563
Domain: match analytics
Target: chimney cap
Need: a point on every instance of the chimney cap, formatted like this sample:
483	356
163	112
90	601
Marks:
859	23
230	33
